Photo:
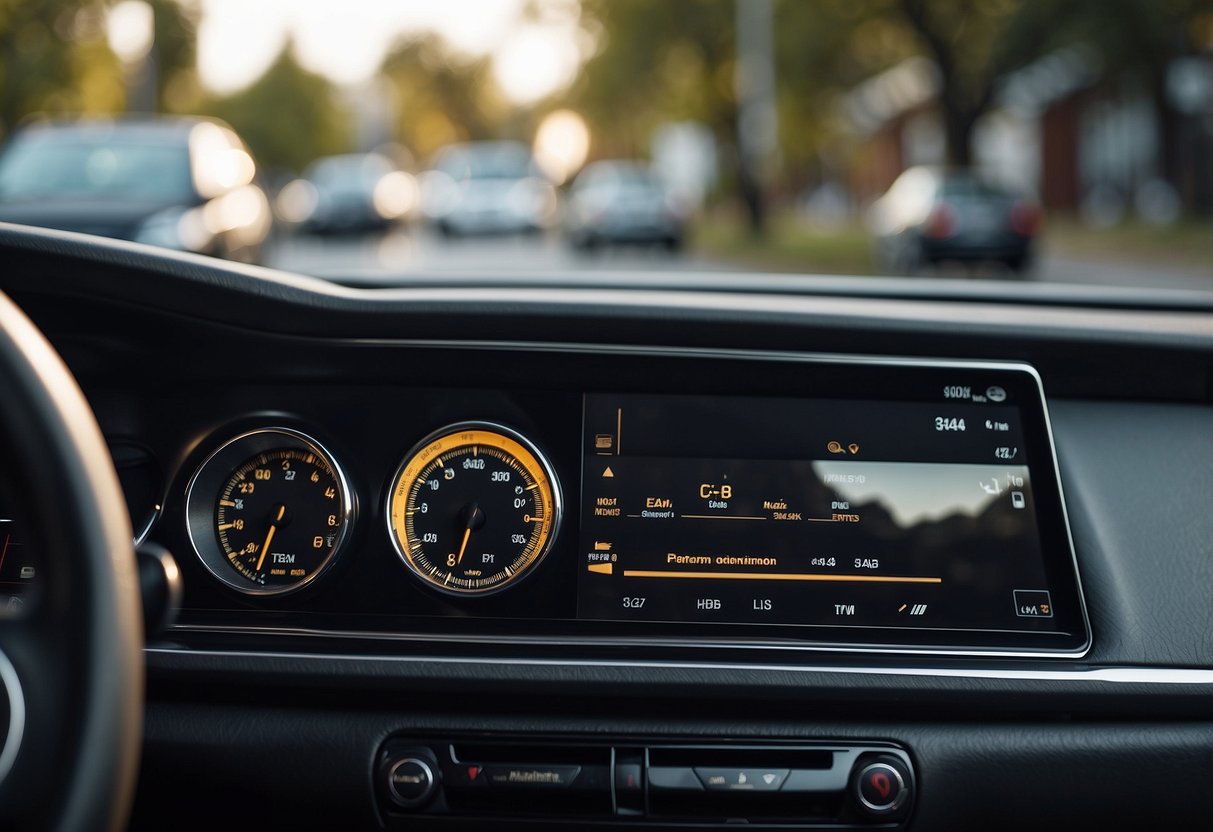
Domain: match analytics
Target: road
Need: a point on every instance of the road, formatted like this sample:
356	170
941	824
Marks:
423	253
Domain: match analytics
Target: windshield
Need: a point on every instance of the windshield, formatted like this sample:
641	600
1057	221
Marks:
1027	140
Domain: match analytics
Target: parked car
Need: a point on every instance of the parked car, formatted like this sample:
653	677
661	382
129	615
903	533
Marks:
348	193
487	188
615	202
932	215
180	183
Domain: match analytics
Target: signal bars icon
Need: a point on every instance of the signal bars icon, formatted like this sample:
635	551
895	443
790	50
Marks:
917	609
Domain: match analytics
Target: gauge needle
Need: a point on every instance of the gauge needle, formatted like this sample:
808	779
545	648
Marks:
464	545
475	521
269	537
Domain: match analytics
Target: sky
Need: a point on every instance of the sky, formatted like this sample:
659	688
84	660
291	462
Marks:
533	54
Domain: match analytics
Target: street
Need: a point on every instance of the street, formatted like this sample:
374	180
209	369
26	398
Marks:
421	252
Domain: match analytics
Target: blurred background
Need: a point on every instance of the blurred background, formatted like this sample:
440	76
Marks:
1065	140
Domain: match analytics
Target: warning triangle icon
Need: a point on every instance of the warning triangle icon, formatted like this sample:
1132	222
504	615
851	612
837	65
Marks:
608	473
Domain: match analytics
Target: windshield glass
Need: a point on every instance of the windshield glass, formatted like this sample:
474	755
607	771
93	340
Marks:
373	140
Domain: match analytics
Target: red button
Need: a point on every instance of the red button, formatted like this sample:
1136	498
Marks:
881	787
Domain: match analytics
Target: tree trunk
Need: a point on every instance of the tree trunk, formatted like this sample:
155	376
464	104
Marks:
958	121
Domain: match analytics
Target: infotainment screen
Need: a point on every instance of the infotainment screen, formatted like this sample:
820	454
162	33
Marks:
930	520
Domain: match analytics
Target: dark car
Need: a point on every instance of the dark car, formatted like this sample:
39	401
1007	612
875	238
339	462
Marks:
482	188
623	202
181	183
348	193
932	215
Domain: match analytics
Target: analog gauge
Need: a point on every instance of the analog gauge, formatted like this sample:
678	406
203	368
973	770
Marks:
268	511
473	508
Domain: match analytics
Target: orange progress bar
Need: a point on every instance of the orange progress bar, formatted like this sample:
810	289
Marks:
779	576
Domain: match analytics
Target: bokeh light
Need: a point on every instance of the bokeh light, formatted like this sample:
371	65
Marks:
130	28
562	144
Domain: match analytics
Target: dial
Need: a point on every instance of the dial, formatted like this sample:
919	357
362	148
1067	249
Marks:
268	512
473	509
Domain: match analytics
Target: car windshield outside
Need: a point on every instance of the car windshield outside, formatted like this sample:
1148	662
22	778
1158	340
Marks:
1052	141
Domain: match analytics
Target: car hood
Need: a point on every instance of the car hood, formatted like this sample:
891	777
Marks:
103	217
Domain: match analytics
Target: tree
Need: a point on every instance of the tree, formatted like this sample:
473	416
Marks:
656	63
442	98
288	116
174	50
974	45
54	59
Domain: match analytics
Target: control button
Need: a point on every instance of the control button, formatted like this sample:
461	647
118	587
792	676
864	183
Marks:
742	779
628	778
546	777
881	788
410	782
1033	603
669	778
464	775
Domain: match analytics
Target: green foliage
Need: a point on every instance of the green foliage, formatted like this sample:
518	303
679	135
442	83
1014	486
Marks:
174	49
656	62
442	98
288	117
53	59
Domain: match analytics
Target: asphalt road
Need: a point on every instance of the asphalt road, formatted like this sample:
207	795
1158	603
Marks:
424	253
421	252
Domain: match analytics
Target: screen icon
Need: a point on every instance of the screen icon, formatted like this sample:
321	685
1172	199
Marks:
835	447
996	394
1018	500
1033	603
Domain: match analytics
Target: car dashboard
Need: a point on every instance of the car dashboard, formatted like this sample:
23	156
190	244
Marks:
616	553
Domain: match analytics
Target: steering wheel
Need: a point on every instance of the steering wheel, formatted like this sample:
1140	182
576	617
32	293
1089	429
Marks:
71	655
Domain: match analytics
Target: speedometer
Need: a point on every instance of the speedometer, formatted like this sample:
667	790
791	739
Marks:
473	509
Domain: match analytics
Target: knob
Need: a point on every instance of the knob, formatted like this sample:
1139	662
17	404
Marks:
411	782
881	786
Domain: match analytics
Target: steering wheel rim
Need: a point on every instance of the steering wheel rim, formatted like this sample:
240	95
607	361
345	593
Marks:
76	654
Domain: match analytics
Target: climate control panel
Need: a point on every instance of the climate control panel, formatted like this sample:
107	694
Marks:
447	783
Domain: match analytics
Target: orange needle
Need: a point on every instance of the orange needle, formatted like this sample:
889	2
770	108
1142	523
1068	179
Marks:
265	547
464	545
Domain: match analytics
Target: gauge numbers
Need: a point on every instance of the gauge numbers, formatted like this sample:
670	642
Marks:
268	512
473	509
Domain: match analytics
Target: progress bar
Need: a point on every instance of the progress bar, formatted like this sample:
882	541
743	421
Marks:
778	576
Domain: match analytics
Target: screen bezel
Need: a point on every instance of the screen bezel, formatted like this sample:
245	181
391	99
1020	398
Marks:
537	389
859	379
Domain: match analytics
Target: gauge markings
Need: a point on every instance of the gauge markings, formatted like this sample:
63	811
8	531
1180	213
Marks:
287	495
475	513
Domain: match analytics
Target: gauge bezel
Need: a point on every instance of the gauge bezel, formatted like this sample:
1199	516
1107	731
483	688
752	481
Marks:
557	508
204	485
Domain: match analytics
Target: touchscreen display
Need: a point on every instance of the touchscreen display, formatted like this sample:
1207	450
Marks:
898	522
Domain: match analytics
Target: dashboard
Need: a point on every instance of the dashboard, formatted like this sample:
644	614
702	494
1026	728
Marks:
482	552
926	516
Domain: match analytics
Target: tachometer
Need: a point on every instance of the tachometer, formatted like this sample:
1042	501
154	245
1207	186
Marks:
473	508
268	511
